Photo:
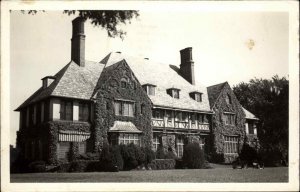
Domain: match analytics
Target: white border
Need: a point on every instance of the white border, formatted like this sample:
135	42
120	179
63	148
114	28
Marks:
282	6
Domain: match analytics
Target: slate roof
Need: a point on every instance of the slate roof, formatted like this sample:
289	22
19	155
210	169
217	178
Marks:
164	76
249	115
214	92
71	81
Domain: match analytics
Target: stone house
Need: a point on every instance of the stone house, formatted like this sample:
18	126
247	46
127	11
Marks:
122	100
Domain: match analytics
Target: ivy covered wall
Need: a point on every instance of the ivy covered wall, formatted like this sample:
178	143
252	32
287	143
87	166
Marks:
109	89
220	129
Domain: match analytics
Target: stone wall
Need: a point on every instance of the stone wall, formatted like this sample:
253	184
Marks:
108	89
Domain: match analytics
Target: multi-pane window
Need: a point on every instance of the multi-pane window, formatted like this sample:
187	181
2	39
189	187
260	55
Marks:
231	144
180	146
124	108
66	110
155	142
228	119
126	138
157	114
83	112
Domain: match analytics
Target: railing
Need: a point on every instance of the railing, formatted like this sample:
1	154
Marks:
180	124
158	123
183	125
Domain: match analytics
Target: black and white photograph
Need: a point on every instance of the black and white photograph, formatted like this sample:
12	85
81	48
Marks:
154	96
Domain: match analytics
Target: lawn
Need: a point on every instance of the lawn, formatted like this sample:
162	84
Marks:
220	174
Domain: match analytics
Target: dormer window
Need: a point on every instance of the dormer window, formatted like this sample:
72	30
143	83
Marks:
173	92
149	88
197	96
47	81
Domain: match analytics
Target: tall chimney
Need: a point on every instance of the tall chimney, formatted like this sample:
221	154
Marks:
78	42
187	65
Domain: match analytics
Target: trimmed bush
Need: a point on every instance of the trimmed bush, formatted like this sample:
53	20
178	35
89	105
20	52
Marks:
37	167
159	164
193	156
160	154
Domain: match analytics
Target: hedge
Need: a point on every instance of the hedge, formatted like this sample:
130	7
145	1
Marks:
159	164
79	166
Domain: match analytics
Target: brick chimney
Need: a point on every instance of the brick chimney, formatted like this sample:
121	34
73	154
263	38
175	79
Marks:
78	42
187	65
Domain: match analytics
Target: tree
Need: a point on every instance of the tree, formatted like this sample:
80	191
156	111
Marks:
107	19
268	100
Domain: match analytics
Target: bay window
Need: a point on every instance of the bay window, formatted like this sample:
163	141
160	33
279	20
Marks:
127	138
231	144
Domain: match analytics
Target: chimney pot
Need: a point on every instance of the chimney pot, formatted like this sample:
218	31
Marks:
146	58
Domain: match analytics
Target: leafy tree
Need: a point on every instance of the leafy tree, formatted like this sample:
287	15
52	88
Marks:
268	100
107	19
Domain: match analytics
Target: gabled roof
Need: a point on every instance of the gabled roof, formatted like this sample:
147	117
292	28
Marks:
71	81
164	76
213	93
249	115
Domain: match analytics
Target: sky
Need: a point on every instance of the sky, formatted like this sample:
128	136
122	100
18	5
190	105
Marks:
227	46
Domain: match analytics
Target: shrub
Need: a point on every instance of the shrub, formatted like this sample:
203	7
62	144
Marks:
37	167
129	153
79	166
248	154
149	155
72	154
111	159
160	154
159	164
193	156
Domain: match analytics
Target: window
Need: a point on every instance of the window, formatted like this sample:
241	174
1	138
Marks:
155	142
83	112
124	108
176	94
192	117
123	83
180	145
150	89
181	116
228	119
196	96
127	138
66	110
157	114
173	92
250	128
228	99
231	144
169	115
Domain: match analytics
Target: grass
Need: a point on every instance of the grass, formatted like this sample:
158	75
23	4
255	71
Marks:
220	174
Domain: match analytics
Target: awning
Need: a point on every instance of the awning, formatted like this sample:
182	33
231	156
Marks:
125	127
73	136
